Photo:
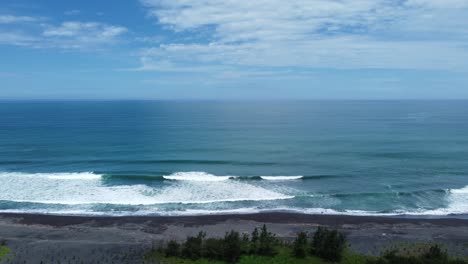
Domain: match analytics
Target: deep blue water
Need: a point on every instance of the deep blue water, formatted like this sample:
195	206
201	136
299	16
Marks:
184	157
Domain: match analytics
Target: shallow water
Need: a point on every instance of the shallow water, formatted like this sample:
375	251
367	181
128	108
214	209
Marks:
183	157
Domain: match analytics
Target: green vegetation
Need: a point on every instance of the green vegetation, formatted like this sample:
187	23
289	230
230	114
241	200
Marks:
328	244
4	252
262	247
300	245
432	254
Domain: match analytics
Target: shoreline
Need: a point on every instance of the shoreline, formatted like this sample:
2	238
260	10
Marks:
93	239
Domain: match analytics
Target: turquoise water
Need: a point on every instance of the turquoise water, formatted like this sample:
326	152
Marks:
184	157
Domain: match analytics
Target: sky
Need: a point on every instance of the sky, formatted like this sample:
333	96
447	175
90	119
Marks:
233	49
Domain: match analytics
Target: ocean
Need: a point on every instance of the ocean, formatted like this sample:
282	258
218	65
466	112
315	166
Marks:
212	157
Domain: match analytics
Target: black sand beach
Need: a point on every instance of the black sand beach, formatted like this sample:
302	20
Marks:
75	239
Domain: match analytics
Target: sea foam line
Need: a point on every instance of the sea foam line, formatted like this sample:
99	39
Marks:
178	176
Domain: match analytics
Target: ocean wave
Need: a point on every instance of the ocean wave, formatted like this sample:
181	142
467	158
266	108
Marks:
88	188
204	176
196	176
281	178
178	176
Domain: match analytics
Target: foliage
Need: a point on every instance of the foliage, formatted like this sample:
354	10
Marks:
254	242
300	245
4	252
328	244
232	247
267	242
172	249
192	247
431	255
245	244
213	248
262	247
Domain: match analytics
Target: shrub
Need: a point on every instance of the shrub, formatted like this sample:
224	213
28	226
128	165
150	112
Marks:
328	244
432	255
254	243
232	247
213	248
267	242
245	244
436	252
192	248
300	245
172	249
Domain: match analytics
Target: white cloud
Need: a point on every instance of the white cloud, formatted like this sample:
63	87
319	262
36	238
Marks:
312	33
18	39
238	20
89	31
67	35
81	35
10	19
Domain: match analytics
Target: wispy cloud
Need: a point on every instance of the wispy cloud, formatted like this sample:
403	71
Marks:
313	33
66	35
10	19
17	39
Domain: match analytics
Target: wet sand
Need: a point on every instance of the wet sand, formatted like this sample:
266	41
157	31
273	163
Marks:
82	239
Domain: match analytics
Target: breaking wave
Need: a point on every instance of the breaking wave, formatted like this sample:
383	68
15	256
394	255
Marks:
191	193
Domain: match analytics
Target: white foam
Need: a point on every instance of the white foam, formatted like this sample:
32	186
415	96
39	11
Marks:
74	176
87	188
281	178
463	190
196	176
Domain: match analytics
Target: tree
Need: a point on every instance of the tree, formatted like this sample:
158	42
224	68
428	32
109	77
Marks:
232	247
267	242
193	247
254	242
300	245
328	244
213	248
172	249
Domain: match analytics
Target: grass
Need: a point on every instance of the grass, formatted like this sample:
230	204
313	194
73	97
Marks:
4	252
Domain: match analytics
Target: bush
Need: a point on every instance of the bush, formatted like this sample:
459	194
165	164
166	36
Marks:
232	247
432	255
267	242
213	248
254	242
193	247
436	252
245	244
300	245
172	249
328	244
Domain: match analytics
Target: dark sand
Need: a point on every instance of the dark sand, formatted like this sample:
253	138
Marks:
78	239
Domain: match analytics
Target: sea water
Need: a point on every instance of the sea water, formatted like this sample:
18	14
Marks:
206	157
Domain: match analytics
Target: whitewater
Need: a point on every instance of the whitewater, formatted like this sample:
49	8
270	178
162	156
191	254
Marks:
89	193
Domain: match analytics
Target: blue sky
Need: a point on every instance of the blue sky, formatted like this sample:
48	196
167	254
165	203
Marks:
234	49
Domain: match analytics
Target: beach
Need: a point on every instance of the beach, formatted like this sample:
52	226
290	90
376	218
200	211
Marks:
49	238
